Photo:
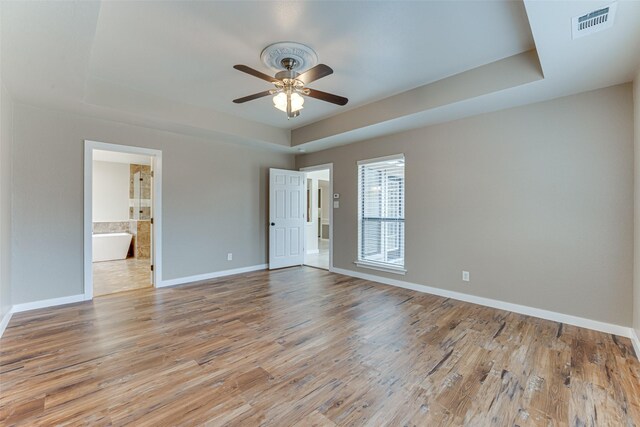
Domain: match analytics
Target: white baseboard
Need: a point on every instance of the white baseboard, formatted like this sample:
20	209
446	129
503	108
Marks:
5	321
17	308
313	251
207	276
635	341
596	325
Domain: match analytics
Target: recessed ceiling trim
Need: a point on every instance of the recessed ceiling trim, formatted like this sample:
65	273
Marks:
504	74
106	94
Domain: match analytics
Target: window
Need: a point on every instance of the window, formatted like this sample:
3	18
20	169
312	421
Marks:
381	213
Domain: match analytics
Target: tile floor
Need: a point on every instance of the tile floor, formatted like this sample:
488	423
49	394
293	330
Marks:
321	259
122	275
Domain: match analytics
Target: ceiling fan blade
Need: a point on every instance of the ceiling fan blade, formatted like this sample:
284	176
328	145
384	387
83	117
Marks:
315	73
328	97
255	73
252	97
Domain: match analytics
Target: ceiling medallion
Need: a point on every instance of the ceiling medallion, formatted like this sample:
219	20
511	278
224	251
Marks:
273	55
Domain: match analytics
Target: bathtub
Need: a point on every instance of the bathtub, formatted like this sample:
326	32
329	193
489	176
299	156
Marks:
110	246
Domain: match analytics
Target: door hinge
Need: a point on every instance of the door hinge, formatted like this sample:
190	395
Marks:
151	220
151	267
151	174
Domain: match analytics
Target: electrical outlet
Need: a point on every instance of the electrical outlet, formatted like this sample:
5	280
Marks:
465	276
229	256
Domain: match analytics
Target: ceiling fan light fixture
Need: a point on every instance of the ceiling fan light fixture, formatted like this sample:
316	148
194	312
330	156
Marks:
281	100
296	101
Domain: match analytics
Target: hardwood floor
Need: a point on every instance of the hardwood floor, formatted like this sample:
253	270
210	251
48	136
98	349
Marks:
122	275
307	347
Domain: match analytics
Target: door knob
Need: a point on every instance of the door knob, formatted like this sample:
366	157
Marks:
273	223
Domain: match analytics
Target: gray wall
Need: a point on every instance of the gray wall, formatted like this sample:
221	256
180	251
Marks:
536	202
636	275
6	142
214	200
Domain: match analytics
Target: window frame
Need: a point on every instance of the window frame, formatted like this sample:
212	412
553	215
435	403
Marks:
361	262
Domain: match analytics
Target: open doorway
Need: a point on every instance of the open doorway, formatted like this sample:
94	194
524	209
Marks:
122	209
319	216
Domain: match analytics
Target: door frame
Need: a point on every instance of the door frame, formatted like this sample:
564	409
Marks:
318	168
156	238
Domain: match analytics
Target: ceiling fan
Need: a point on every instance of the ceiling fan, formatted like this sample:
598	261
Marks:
290	86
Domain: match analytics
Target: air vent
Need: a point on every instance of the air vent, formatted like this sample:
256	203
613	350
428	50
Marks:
594	21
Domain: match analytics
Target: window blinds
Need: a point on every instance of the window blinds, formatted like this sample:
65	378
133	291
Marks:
381	211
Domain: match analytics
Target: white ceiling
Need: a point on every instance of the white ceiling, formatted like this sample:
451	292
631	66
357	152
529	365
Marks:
321	174
184	51
169	64
117	157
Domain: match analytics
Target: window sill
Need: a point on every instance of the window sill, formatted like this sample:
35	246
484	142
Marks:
385	268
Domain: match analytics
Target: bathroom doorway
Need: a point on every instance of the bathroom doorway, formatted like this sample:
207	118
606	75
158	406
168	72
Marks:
122	207
319	217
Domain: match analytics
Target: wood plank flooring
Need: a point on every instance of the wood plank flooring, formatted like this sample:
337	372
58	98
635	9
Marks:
305	347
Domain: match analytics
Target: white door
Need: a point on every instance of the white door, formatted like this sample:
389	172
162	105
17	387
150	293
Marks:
287	198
